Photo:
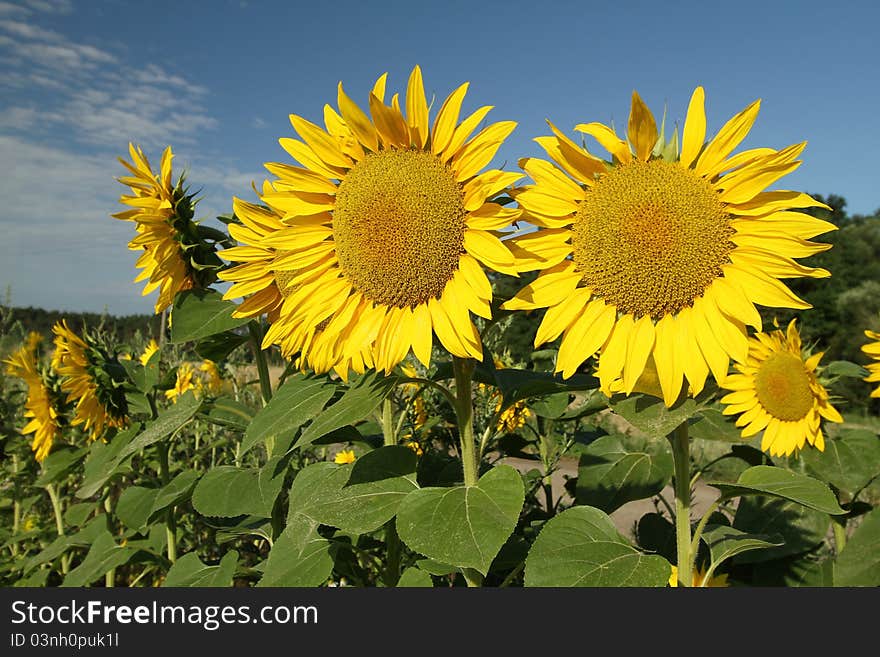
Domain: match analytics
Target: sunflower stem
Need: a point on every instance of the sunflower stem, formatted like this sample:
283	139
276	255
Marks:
681	460
163	447
256	331
839	533
464	411
110	575
392	541
59	523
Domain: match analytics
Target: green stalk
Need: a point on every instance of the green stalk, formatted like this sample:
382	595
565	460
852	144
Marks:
110	575
839	533
681	459
59	522
464	411
392	541
16	508
256	331
163	447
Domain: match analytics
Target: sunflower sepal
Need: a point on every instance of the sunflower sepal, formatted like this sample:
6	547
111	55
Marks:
837	369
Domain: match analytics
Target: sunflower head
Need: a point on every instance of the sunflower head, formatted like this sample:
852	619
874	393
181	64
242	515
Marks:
151	348
177	253
778	389
93	379
376	240
661	252
872	349
44	404
183	382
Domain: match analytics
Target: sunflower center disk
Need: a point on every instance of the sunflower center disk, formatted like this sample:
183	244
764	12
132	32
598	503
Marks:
399	226
783	387
650	237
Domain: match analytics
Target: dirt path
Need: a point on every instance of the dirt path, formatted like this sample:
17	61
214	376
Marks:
627	516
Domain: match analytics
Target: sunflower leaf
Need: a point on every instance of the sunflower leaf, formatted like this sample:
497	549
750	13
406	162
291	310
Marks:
200	313
785	484
582	547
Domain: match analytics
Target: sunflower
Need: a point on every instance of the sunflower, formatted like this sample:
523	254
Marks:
183	382
376	242
90	380
715	581
40	407
777	390
873	350
513	417
151	348
175	256
212	379
661	252
344	457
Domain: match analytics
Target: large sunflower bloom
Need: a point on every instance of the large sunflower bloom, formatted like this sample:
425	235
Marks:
156	204
873	350
376	242
40	408
661	254
98	407
777	391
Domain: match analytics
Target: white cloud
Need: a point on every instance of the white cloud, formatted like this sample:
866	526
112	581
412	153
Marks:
51	6
9	9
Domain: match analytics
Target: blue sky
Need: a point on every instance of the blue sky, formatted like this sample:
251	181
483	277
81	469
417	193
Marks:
217	81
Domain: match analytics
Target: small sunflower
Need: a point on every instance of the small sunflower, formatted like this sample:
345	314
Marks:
873	350
777	391
183	383
41	406
513	417
177	255
716	581
151	348
92	379
213	380
344	456
376	243
661	253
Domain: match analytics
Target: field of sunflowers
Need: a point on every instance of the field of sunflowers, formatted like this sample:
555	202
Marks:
335	397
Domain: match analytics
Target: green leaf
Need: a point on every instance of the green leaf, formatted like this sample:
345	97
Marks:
83	538
189	571
226	412
582	547
849	462
175	491
104	461
297	401
59	463
300	556
656	534
464	526
76	514
361	399
227	491
610	474
551	406
725	542
845	368
103	556
169	421
435	567
770	480
650	415
218	346
359	497
800	527
200	313
415	578
859	562
135	505
521	384
712	424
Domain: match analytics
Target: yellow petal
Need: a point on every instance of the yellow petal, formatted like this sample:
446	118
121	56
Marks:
324	145
694	134
560	317
642	130
667	360
389	124
481	149
638	348
713	352
551	179
463	131
489	250
307	157
613	355
728	138
357	120
423	335
550	288
447	118
608	139
585	336
764	289
475	276
417	109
